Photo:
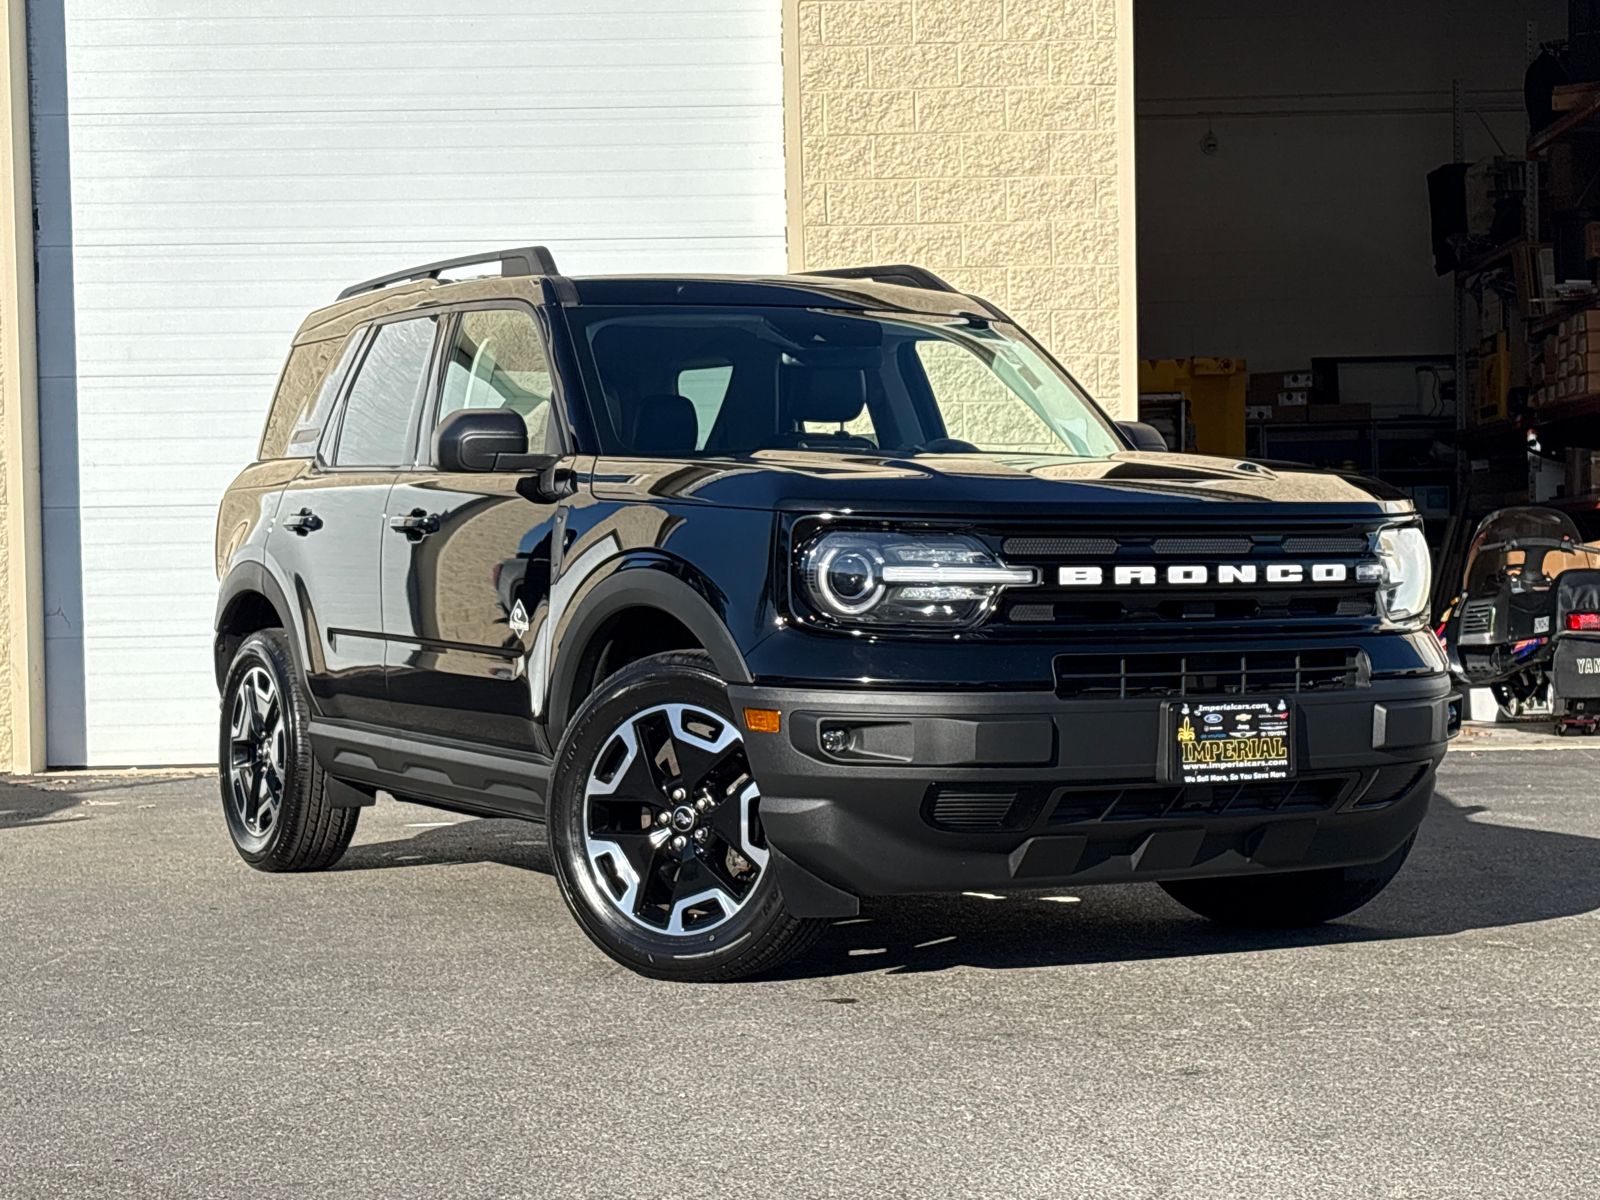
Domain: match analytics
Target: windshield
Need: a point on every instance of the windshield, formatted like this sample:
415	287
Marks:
1525	549
716	382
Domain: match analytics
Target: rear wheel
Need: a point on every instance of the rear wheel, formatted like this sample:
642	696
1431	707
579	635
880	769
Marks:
274	793
655	829
1288	901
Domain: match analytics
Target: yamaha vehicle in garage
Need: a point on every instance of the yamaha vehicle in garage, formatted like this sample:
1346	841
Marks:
770	593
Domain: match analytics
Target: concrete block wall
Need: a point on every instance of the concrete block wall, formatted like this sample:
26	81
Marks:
990	141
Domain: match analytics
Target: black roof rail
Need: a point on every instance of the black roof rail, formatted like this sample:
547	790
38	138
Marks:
903	274
527	260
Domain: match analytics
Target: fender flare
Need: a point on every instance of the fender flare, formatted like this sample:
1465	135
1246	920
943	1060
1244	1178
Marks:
253	577
647	583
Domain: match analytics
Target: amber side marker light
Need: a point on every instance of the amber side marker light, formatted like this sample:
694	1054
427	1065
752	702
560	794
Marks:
761	720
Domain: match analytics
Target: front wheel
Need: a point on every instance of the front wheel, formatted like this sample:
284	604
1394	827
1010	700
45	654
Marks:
1289	901
655	829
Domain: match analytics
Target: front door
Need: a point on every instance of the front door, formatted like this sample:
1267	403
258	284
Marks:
469	564
328	537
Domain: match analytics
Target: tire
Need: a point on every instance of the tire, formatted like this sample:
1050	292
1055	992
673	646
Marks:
674	886
1288	901
274	794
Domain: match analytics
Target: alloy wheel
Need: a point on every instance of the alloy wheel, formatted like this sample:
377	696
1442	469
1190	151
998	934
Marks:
671	822
257	754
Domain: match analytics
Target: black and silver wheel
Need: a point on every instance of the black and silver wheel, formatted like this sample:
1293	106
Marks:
274	795
1291	900
655	823
257	745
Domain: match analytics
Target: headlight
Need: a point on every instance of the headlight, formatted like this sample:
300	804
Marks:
937	581
1407	572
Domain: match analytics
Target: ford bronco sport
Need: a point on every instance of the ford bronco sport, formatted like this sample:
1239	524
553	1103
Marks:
769	593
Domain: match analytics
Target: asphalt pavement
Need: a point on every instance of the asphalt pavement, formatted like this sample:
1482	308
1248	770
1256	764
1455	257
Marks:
426	1020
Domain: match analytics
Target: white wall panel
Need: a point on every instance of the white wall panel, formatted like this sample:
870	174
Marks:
209	174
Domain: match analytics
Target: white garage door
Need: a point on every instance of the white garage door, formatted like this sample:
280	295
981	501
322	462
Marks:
208	173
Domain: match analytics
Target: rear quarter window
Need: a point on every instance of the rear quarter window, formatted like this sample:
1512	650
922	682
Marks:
305	393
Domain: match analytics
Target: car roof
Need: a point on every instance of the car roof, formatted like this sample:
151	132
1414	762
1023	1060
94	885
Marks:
761	291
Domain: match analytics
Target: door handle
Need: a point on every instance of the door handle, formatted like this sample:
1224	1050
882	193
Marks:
417	525
303	522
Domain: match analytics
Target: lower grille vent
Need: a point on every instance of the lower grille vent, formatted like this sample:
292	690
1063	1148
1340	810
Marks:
971	810
1220	674
1391	783
1143	802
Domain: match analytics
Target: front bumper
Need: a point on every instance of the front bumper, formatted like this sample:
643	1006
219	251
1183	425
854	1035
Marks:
959	791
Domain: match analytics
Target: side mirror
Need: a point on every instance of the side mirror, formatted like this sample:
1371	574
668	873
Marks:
1143	437
471	439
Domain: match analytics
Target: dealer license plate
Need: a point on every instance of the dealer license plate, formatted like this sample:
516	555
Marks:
1232	741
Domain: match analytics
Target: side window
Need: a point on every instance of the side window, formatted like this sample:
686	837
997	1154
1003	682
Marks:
377	416
705	388
313	415
296	396
497	361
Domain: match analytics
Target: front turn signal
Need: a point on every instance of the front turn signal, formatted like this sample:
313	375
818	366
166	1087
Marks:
761	720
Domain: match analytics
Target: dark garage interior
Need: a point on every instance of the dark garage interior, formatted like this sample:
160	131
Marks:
1368	238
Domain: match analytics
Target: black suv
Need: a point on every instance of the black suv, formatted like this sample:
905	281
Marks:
768	593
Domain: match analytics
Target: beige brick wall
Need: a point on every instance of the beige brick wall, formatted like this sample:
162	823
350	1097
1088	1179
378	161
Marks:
990	141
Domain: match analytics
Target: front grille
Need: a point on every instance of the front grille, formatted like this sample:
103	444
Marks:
1194	547
1391	783
1159	599
1478	618
1198	606
1032	547
1221	673
1310	546
958	809
1143	802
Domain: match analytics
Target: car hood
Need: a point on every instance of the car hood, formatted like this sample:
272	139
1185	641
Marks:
995	483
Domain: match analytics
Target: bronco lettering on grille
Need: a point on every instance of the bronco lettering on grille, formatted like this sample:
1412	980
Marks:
1226	574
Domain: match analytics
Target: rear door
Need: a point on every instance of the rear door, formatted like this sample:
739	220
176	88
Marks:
327	541
465	575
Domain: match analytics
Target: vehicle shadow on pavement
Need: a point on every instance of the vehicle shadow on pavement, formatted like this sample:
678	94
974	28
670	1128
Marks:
509	843
1463	874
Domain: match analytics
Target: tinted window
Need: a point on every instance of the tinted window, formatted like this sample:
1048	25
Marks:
306	432
497	361
705	388
295	399
375	431
678	381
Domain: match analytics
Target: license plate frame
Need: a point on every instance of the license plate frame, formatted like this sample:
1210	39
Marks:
1253	742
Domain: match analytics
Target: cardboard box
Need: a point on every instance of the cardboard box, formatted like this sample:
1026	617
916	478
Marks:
1264	387
1569	96
1583	472
1289	416
1329	413
1591	240
1292	399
